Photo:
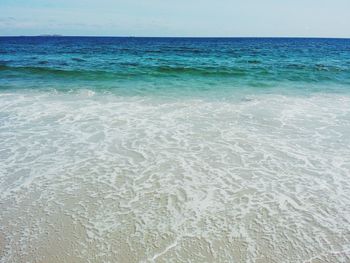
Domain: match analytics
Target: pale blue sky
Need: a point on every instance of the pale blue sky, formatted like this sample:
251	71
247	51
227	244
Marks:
310	18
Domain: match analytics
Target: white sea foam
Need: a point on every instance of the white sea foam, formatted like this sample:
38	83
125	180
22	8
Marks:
98	178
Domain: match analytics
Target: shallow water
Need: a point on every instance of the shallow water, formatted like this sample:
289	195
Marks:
201	175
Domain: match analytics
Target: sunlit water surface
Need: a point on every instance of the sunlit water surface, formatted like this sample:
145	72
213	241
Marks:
180	167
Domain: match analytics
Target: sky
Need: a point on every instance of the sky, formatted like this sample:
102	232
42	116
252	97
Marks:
196	18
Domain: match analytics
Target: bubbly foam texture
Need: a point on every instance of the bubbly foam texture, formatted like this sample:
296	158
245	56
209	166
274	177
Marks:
90	177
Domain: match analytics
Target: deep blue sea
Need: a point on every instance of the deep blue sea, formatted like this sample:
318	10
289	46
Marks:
174	150
175	66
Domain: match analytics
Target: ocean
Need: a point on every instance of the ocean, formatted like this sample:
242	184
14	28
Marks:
174	149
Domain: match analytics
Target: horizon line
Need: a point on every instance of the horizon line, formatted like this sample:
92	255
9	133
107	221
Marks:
115	36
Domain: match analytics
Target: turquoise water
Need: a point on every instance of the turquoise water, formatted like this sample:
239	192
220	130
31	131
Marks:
174	150
175	65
